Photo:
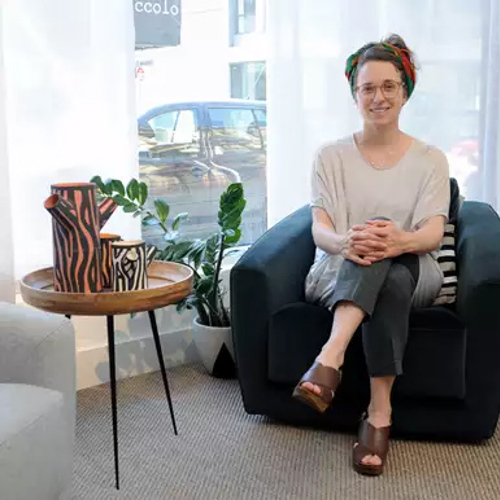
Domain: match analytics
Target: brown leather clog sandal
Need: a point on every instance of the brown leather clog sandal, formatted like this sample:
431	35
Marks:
326	378
371	441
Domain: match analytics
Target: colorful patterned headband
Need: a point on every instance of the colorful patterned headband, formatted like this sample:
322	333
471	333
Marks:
402	54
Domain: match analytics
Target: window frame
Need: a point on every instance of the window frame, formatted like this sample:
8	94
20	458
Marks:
240	14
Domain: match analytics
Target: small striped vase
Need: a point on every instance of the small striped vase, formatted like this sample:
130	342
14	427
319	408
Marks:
130	264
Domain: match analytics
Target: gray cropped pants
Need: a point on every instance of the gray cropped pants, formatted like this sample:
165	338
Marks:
384	292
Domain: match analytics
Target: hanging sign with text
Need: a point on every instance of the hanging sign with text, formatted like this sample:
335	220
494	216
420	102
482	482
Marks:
157	23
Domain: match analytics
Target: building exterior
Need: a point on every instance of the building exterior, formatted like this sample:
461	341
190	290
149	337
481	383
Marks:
221	53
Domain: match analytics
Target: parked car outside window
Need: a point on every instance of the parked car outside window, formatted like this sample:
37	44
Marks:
190	152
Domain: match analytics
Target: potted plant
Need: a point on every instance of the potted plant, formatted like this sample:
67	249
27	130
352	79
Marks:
211	326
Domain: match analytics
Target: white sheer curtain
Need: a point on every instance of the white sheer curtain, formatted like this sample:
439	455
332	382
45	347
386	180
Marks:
69	113
6	250
455	105
487	184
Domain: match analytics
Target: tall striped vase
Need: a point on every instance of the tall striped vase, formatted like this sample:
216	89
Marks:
76	223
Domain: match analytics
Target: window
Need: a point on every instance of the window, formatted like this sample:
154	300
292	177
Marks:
235	130
238	140
180	157
248	80
171	162
169	135
261	118
191	177
245	16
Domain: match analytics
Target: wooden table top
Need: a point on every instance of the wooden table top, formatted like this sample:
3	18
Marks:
168	283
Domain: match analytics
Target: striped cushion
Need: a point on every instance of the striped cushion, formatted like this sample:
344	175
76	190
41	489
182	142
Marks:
448	263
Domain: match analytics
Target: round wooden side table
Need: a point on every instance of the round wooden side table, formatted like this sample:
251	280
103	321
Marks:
168	283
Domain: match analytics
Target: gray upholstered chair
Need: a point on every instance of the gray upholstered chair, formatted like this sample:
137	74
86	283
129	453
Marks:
37	404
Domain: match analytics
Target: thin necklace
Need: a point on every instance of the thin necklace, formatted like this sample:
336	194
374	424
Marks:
389	155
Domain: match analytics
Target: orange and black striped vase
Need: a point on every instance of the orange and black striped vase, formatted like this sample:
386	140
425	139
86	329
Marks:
107	240
76	223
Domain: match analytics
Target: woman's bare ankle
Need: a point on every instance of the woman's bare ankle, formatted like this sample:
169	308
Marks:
331	356
379	417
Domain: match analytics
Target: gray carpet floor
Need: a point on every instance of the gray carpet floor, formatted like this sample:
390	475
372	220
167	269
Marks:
223	453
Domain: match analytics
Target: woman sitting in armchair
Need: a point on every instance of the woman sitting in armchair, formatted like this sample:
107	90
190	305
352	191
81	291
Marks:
380	199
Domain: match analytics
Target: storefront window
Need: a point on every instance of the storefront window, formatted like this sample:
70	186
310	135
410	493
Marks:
190	146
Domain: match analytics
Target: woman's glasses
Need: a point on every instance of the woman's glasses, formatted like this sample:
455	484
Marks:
389	89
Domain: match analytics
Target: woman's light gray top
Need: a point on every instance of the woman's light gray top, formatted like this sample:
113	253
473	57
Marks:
352	191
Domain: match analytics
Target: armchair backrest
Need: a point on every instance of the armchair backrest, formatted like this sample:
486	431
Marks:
454	200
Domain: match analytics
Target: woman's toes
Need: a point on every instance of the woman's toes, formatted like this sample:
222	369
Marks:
371	460
311	387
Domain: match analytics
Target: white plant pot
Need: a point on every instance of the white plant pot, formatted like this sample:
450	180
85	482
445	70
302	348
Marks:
215	348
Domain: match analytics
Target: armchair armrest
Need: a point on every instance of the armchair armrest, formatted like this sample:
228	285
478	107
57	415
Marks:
269	275
38	348
478	306
478	260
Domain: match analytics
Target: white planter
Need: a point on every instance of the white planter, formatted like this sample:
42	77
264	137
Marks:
215	348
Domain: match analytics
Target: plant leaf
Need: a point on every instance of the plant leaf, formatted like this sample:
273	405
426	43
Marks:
183	248
150	220
108	187
196	253
120	200
208	269
178	219
181	305
232	239
231	206
129	208
98	182
203	286
177	252
143	193
162	209
133	189
118	187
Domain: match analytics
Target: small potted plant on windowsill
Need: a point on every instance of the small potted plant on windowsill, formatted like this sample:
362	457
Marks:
211	327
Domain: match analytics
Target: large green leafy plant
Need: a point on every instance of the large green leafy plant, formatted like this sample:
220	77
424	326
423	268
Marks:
204	256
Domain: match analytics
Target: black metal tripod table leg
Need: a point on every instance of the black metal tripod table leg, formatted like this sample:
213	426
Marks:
154	327
112	378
